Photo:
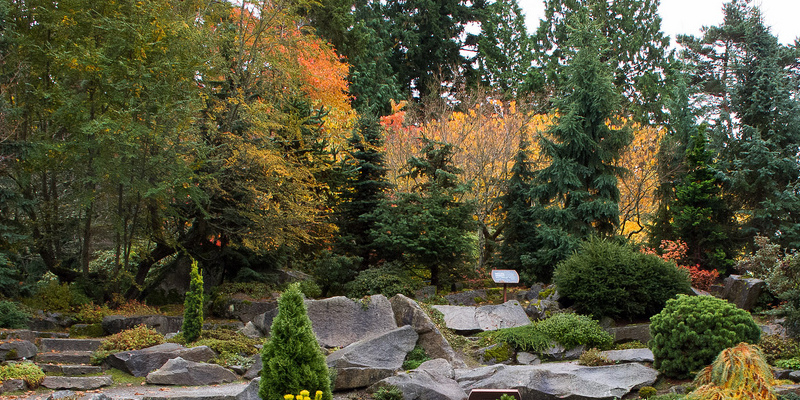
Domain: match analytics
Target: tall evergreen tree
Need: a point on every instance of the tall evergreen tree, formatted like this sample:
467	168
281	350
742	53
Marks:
637	47
700	216
365	190
519	231
576	196
429	226
505	51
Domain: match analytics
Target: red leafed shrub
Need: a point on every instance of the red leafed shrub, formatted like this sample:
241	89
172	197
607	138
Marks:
701	278
675	250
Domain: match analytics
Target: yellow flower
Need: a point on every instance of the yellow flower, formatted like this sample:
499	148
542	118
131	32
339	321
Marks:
304	393
288	397
318	395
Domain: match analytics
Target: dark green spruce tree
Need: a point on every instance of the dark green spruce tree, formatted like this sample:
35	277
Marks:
576	196
519	230
701	218
428	227
291	356
366	189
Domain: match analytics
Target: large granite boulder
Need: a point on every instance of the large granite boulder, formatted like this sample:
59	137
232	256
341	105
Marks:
629	333
242	309
365	362
468	320
178	371
142	362
250	392
17	350
408	312
339	321
560	380
433	380
163	324
743	292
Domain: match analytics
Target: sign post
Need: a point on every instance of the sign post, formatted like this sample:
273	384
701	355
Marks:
505	276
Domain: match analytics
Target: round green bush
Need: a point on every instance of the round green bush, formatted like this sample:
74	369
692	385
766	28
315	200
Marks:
607	279
389	280
691	330
13	316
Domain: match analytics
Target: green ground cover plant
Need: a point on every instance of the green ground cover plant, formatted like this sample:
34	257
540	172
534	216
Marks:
566	329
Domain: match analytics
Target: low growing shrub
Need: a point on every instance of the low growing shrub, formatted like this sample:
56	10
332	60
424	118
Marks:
789	363
415	358
13	316
776	347
135	338
607	279
389	392
647	392
690	331
389	280
566	329
740	372
593	358
27	371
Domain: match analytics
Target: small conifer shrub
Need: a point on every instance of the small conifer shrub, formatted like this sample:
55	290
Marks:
291	357
690	331
193	306
739	372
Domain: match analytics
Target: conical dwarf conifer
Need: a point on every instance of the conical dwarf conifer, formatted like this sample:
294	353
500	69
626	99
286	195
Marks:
193	306
292	358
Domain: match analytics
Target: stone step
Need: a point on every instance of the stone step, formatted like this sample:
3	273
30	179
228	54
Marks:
65	357
50	344
70	369
77	383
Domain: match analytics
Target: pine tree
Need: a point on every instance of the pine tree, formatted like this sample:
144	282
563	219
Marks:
700	216
193	306
576	196
291	357
519	230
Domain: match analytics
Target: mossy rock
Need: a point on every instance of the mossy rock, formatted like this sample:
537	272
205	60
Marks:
496	353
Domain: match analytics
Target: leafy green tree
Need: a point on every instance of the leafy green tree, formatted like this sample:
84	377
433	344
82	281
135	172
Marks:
505	51
637	47
292	358
576	196
429	226
193	306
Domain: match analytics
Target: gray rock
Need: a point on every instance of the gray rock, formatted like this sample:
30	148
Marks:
525	358
558	352
424	384
783	374
560	380
507	315
75	370
439	366
76	382
630	355
743	292
782	390
365	362
408	312
773	329
21	334
250	392
178	371
62	394
794	376
65	357
533	293
243	310
466	298
163	324
55	344
97	396
538	310
251	331
50	321
17	350
629	333
460	319
142	362
699	292
255	370
339	321
11	385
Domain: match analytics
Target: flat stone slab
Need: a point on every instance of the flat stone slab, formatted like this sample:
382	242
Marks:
560	380
77	383
65	357
17	349
54	344
468	320
630	355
